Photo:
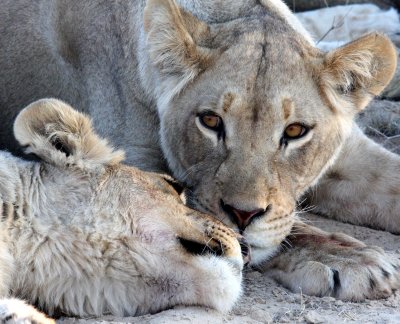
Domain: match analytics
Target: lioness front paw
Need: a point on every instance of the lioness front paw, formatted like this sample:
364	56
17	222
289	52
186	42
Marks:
336	265
16	311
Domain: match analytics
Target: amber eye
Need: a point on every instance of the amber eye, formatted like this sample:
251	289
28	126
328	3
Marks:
295	131
211	121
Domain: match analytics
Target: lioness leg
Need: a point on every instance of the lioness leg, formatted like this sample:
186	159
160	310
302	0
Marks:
334	264
362	187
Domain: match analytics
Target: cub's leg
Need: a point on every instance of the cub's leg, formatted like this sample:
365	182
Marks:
324	264
16	311
362	187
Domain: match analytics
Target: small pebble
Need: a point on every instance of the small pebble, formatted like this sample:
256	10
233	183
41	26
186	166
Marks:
313	317
260	300
339	303
260	315
253	275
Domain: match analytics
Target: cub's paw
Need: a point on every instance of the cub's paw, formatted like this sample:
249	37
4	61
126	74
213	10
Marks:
336	265
213	257
16	311
207	236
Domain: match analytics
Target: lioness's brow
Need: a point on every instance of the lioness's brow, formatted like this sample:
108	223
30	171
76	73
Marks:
288	107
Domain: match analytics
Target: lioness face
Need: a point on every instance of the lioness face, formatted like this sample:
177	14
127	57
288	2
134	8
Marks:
261	116
251	134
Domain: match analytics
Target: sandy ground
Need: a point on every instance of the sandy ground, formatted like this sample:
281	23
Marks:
264	301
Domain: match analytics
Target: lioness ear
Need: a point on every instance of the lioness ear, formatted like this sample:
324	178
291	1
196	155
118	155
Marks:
353	74
60	135
171	41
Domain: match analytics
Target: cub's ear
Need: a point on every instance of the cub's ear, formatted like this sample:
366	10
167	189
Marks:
352	75
172	41
60	135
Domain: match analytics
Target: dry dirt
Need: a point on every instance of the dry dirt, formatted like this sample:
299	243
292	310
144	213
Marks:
264	301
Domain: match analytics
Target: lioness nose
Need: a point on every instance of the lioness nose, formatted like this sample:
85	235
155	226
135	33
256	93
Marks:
242	218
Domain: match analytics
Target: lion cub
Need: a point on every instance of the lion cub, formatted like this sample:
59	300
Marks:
83	234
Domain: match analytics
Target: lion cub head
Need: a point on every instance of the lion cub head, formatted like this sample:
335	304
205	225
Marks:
251	113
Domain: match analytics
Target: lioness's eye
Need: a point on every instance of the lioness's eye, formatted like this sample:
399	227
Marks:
211	121
295	131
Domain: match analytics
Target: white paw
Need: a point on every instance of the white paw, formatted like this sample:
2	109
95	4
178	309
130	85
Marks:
16	311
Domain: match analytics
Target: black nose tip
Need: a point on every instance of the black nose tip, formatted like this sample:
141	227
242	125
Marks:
242	218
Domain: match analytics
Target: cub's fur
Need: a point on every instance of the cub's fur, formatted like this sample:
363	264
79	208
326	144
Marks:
83	234
146	71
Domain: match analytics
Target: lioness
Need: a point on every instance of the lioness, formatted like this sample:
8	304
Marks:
233	99
83	234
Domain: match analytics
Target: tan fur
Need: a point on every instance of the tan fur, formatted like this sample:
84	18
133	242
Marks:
147	70
90	236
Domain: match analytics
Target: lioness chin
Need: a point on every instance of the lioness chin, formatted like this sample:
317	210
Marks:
235	101
84	235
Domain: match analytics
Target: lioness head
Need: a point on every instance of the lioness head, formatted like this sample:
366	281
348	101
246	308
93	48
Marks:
252	114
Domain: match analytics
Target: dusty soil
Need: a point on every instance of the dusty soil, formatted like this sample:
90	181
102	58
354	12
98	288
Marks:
264	301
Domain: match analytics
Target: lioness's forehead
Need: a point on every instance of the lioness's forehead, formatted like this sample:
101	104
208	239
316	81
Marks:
255	29
260	70
262	47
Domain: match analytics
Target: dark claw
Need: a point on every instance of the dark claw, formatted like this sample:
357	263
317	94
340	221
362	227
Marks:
245	247
336	282
372	283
